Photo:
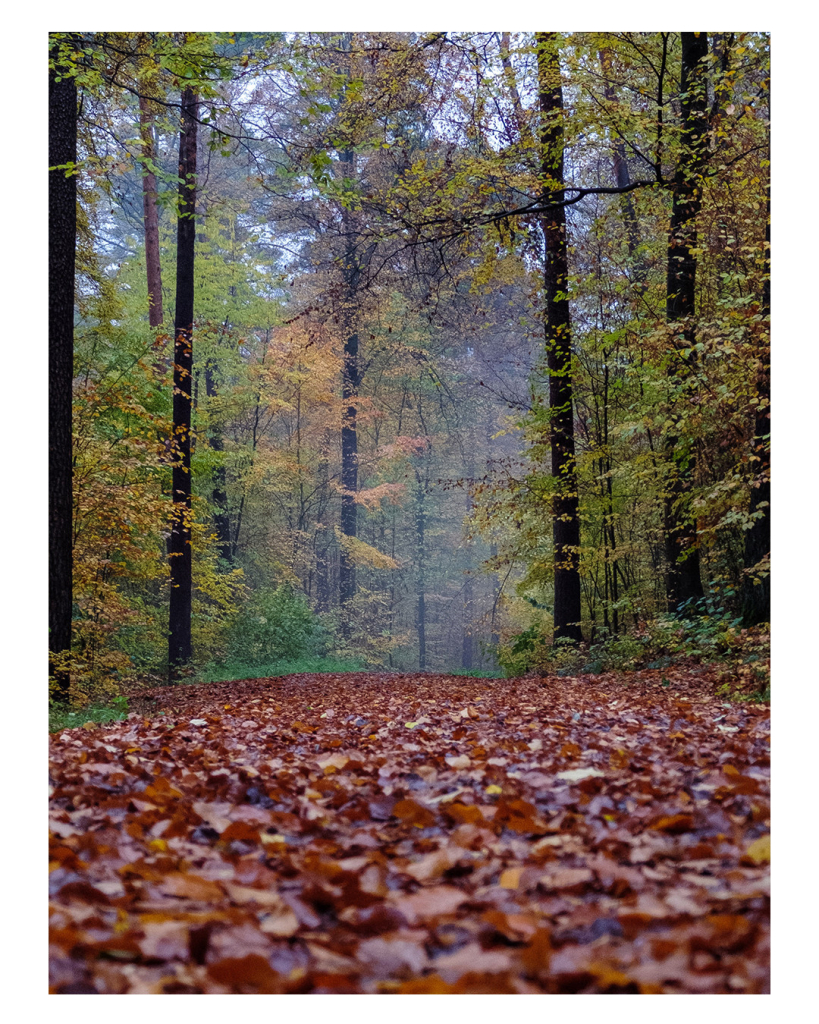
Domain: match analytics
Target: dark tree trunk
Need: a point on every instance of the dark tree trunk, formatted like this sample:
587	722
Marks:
221	519
467	643
682	552
151	218
756	596
62	243
323	532
420	572
565	512
351	381
179	646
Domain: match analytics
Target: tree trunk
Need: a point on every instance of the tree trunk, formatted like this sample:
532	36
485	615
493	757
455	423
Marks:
756	596
62	243
682	552
221	519
151	218
179	646
467	642
565	512
420	571
351	381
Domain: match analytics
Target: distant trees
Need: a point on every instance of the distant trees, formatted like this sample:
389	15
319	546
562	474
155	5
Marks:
481	352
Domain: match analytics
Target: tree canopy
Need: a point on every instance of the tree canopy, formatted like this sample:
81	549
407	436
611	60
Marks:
478	365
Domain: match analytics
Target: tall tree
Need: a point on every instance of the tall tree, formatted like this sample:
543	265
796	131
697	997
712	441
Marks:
351	383
62	241
756	592
179	645
682	552
351	372
565	510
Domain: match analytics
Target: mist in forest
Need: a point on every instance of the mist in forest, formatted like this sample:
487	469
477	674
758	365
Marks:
477	353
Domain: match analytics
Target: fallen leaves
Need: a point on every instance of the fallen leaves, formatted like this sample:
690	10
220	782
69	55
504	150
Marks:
283	836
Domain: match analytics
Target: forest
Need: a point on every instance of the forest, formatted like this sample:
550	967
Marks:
432	351
409	513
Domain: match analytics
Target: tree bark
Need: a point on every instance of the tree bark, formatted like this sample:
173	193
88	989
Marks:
150	218
683	582
221	518
756	596
179	645
467	642
351	381
565	509
420	570
62	243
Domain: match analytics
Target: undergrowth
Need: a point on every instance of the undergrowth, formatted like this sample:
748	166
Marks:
62	717
703	634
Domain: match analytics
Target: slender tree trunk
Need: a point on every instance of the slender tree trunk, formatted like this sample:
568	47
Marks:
221	519
179	646
682	552
150	217
62	244
467	640
566	513
756	596
351	381
420	571
323	532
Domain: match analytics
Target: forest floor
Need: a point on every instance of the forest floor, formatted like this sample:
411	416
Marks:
377	832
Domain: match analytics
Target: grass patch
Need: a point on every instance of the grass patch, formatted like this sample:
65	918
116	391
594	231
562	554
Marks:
474	673
239	670
61	717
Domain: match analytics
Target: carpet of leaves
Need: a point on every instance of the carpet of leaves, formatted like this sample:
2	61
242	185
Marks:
415	834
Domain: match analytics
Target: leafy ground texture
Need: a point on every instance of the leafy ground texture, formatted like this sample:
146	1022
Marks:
415	834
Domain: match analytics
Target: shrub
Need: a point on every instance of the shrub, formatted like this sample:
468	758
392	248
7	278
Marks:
273	625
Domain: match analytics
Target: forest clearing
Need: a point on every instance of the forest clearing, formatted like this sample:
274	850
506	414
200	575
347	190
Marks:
409	512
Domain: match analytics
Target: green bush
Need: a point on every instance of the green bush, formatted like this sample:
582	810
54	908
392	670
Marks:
273	625
703	630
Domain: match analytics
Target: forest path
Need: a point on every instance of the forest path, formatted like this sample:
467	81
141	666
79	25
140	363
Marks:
375	832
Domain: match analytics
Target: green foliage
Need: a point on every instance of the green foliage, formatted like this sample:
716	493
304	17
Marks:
272	626
529	651
704	631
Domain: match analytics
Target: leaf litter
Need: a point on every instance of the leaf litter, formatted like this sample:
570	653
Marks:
386	833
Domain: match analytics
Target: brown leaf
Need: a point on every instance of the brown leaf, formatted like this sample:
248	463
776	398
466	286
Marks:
413	813
430	903
191	887
251	973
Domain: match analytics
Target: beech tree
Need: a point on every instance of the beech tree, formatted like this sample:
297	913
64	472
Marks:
565	507
683	582
179	548
62	236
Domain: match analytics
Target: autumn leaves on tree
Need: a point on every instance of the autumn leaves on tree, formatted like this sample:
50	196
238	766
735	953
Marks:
470	342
